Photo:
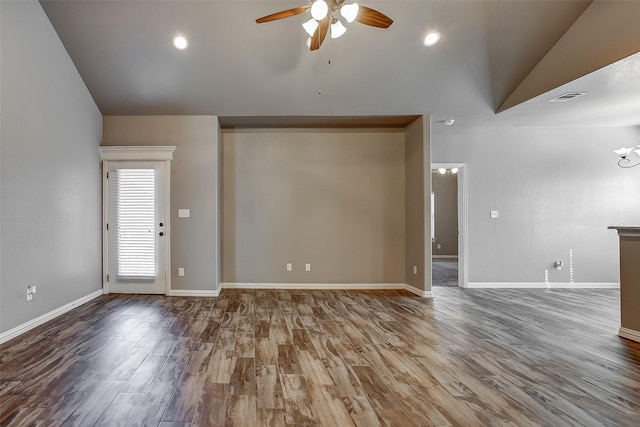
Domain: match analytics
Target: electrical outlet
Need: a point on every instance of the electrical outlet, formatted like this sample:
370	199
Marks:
415	269
307	267
289	266
29	293
494	214
180	271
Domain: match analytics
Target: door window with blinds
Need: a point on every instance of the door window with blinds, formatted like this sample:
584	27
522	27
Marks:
135	223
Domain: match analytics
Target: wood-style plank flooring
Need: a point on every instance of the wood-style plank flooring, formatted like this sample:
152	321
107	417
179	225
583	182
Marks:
328	358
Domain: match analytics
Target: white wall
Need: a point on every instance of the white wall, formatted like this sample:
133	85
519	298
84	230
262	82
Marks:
556	190
49	171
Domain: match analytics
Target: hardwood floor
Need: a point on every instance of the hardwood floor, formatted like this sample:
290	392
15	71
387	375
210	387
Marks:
328	358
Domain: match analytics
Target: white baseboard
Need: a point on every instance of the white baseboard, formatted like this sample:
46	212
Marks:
21	329
328	286
629	334
554	285
194	293
319	286
416	291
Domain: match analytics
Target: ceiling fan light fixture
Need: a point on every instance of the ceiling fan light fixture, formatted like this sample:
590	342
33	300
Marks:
337	29
310	26
319	10
432	38
350	12
330	15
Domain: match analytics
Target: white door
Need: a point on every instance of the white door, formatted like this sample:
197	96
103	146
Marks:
136	227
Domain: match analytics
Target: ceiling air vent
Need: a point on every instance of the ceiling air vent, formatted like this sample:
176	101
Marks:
567	96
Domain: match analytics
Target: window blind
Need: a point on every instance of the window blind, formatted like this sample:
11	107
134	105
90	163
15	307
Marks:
135	222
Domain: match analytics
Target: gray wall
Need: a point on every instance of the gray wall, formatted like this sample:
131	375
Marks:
418	204
194	185
556	189
331	198
50	171
445	189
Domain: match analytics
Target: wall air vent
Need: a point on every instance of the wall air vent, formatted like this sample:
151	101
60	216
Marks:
567	96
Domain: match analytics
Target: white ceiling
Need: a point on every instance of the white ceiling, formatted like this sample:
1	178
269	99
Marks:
261	74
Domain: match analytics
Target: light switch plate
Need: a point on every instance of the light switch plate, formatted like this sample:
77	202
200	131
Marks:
307	267
494	214
184	213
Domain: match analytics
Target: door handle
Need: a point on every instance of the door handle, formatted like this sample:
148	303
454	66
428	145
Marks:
161	234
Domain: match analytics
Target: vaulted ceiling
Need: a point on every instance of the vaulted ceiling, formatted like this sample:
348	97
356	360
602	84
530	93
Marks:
497	64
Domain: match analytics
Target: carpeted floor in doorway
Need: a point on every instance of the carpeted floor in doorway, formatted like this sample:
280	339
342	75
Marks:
445	272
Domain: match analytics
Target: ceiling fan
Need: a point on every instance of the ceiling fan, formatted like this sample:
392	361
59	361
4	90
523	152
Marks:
328	14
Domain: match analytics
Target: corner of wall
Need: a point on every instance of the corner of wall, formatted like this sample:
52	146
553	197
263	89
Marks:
417	186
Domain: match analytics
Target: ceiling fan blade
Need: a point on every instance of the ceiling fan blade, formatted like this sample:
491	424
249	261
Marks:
283	14
373	18
320	34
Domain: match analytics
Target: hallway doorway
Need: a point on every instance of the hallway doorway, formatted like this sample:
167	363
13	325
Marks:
448	239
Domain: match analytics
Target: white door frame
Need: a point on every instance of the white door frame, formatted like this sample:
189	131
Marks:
463	264
136	153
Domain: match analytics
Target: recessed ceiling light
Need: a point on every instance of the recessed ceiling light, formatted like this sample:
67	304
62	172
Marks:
432	38
180	42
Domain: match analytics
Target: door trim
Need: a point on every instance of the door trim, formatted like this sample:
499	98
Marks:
136	153
130	153
463	261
